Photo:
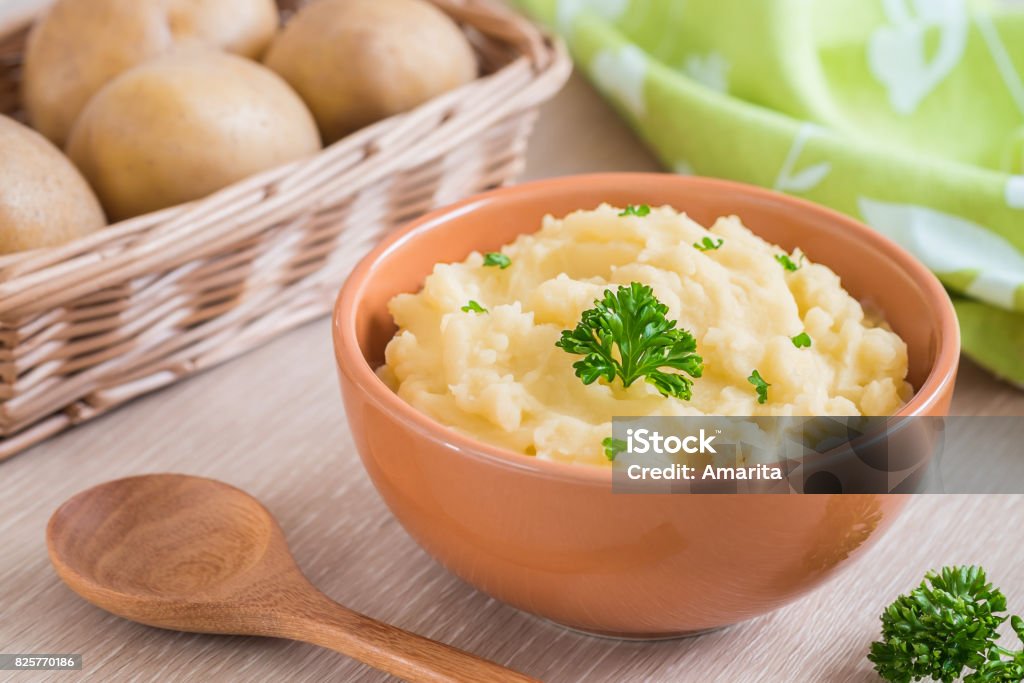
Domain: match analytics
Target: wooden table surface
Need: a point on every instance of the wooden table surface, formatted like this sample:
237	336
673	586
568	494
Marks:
272	424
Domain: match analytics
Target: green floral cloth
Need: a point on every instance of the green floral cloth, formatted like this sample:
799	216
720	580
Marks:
907	114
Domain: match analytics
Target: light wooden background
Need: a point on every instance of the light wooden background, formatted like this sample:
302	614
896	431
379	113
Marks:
272	424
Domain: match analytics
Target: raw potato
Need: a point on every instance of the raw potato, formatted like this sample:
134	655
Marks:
183	126
80	45
44	201
355	62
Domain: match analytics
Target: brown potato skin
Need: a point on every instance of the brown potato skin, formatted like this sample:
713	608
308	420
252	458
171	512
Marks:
44	200
355	62
80	45
183	126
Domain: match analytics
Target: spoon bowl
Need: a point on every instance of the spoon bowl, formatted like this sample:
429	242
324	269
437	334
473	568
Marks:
193	554
158	549
165	536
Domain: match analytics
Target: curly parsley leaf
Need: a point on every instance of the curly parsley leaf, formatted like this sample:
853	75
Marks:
473	307
999	670
708	244
789	264
636	210
802	340
496	258
612	447
760	386
627	335
948	623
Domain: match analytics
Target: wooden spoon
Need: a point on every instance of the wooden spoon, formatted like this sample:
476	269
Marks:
193	554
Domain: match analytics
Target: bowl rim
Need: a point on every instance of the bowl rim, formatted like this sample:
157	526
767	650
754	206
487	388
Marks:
346	347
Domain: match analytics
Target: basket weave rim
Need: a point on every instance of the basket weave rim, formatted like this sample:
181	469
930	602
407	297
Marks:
35	280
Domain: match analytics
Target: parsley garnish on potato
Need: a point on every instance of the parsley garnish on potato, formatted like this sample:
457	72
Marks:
708	244
760	386
627	335
473	307
636	210
802	340
612	447
496	258
948	623
789	264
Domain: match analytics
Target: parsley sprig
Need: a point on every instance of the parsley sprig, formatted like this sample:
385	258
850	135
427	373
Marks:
627	335
948	623
473	307
802	340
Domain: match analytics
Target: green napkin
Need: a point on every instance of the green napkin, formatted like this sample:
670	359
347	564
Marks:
907	114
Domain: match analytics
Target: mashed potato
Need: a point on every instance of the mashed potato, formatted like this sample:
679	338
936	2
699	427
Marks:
498	376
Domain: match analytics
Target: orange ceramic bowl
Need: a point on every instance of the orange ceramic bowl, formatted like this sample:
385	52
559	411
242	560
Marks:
551	538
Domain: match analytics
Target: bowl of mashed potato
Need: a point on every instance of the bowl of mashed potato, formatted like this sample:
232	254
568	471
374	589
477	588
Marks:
484	350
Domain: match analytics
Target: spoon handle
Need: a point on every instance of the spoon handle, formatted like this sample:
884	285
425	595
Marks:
390	649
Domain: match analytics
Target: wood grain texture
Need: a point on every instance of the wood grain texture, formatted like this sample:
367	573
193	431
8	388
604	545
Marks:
192	554
272	424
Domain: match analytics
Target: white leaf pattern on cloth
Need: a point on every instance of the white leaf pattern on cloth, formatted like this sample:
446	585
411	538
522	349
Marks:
805	180
1001	56
711	69
568	10
683	167
949	244
621	73
898	52
1015	192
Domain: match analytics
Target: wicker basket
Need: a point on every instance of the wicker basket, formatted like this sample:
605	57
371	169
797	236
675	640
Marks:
89	325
